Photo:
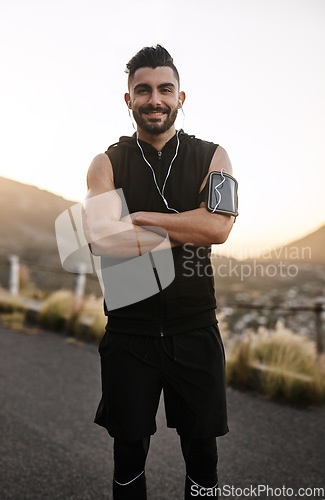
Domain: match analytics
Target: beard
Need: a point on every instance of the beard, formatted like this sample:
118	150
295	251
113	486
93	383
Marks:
153	125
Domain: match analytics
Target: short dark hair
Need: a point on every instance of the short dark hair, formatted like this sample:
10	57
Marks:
151	57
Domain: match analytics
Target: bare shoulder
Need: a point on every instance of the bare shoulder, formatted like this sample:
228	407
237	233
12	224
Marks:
221	160
100	174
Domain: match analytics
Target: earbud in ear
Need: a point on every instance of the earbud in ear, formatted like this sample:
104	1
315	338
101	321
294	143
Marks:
129	104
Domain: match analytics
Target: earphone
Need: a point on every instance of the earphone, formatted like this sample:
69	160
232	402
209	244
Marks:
129	107
180	102
161	191
217	192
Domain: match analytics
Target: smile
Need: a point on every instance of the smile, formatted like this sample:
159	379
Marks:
154	114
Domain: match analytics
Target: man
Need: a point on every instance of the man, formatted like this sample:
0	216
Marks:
169	341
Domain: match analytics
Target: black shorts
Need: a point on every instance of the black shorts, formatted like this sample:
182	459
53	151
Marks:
190	370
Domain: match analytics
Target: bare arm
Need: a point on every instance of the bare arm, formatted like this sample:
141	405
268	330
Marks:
105	232
199	226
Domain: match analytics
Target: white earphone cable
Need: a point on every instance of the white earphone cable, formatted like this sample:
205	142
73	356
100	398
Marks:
218	194
162	191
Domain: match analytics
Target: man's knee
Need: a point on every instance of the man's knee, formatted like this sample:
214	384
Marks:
201	458
129	458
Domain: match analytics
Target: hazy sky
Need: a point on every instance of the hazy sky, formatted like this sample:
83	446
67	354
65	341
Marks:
253	72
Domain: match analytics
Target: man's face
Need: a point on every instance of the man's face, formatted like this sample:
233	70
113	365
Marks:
154	99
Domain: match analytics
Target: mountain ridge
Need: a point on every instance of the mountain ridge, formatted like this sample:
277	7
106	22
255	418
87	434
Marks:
310	247
27	218
28	213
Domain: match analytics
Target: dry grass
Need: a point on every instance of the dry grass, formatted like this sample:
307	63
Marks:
91	320
57	310
9	303
280	364
283	349
60	311
13	320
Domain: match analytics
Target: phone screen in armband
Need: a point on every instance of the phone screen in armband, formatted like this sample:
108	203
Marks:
222	194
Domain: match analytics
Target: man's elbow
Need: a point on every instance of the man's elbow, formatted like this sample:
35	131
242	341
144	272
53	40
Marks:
220	236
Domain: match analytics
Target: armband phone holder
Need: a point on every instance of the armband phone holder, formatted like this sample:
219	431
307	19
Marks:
222	194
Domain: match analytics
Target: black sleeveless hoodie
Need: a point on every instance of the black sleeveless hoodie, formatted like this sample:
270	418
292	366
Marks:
189	301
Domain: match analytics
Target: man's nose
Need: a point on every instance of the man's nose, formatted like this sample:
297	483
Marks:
155	99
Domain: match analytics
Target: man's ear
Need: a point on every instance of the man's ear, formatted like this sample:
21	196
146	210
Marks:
127	99
181	97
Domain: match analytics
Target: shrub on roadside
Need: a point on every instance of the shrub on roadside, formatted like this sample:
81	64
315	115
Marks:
279	364
14	320
10	304
57	310
91	321
285	350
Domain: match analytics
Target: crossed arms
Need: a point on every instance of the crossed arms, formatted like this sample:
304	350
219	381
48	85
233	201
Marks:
108	234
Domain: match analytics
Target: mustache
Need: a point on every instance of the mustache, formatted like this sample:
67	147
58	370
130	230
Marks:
149	108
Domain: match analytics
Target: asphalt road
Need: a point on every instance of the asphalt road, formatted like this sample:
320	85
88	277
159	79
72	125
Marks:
50	448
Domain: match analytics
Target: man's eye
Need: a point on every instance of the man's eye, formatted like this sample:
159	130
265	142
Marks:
142	91
167	90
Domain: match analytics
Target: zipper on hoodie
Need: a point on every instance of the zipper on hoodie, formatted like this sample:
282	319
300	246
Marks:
159	155
160	294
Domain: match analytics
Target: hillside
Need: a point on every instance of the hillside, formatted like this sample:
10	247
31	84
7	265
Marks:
310	248
27	216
